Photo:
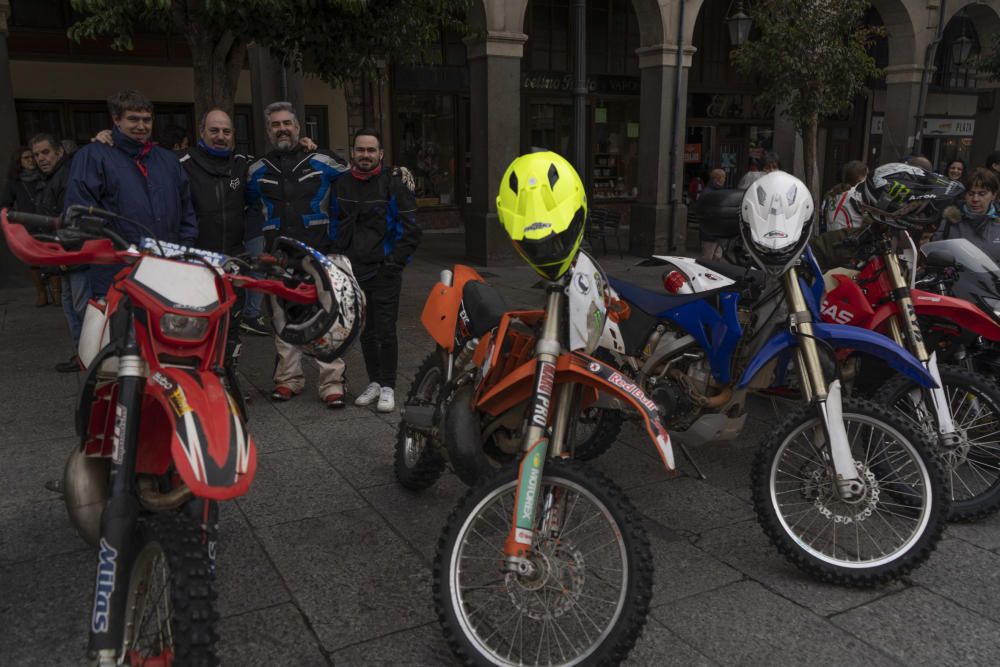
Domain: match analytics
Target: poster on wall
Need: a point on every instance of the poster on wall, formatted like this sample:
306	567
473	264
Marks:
692	153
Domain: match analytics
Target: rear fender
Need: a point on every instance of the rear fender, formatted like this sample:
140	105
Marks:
210	446
840	336
440	314
578	368
959	311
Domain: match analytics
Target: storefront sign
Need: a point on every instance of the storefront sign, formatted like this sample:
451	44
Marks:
692	153
952	127
563	83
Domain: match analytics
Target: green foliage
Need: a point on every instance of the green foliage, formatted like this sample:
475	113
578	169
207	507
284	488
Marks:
337	39
810	55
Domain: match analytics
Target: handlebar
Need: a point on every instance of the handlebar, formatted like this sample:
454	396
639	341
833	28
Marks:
35	222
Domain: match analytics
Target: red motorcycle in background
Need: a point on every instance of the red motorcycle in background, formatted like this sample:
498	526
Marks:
162	435
963	414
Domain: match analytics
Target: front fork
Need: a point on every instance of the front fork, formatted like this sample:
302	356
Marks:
535	445
116	551
907	321
827	398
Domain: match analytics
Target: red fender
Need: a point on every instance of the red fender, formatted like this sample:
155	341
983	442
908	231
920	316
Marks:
958	311
846	303
210	446
578	368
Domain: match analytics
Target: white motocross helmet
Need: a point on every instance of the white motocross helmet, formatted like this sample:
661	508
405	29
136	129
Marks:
776	220
325	328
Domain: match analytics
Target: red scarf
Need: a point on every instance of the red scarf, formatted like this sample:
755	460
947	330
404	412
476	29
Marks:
146	148
365	175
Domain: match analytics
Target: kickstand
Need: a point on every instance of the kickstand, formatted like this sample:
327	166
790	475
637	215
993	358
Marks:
690	459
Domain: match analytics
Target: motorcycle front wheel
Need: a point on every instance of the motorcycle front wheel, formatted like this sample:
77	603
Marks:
891	529
586	600
972	462
170	613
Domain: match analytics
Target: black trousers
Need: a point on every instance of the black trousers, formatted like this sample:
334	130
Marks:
378	340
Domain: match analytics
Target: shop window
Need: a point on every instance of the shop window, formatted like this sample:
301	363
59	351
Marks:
243	128
949	74
612	37
426	145
316	125
614	167
550	127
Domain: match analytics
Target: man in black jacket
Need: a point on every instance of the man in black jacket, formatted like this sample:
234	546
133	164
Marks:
293	186
53	162
376	226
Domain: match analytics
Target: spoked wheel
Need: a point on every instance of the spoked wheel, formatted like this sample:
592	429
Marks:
170	614
585	601
972	460
418	461
869	539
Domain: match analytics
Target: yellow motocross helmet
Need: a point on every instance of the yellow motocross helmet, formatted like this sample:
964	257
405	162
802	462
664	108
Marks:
542	206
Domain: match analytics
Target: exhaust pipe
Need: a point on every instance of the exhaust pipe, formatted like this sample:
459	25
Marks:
85	490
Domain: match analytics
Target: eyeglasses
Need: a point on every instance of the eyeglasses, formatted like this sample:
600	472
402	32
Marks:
979	194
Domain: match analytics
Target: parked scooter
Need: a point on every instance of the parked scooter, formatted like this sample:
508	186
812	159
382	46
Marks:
962	414
845	489
162	438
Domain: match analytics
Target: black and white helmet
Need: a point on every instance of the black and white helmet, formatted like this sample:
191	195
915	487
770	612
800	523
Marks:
903	195
325	328
776	219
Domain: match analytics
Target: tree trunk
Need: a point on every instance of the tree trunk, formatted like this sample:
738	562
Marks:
809	149
217	60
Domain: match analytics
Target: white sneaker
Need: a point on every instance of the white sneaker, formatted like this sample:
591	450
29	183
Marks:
368	396
386	400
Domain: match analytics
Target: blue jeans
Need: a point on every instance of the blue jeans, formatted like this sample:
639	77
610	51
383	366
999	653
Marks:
75	294
251	311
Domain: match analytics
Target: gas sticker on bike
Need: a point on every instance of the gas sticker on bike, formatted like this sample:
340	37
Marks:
529	482
106	569
544	381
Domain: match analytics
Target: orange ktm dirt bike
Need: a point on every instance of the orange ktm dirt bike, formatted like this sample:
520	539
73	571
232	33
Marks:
440	425
547	561
163	438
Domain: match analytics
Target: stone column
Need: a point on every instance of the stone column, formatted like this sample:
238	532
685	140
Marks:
12	272
902	97
495	119
659	218
270	82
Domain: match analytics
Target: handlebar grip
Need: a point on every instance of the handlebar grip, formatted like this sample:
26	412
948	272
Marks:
41	223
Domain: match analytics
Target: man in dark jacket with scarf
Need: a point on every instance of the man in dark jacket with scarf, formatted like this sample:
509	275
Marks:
376	226
135	179
53	161
293	187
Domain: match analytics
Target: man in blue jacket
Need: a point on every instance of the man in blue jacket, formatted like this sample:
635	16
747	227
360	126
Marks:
134	178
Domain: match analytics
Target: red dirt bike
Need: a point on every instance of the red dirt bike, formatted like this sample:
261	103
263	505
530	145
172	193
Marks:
162	436
438	427
963	414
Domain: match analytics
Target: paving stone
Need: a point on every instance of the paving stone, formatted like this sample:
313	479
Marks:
45	610
688	504
921	628
272	432
659	647
294	484
965	574
745	547
351	575
274	636
419	647
38	528
362	451
630	467
25	470
984	533
419	517
245	578
745	624
683	570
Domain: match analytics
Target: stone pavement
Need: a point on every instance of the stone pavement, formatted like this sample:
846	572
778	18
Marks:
327	560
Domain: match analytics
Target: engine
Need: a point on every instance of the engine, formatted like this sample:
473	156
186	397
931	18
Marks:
681	387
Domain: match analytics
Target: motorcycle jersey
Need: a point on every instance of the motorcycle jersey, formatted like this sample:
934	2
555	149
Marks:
294	189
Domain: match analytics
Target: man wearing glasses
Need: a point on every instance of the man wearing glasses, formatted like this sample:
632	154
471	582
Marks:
134	178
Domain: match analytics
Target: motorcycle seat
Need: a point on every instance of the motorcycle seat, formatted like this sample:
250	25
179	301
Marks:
484	306
735	272
648	301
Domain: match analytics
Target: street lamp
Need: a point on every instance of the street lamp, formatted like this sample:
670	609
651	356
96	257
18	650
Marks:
739	25
961	48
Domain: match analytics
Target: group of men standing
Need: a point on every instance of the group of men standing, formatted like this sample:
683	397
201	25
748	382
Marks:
211	197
